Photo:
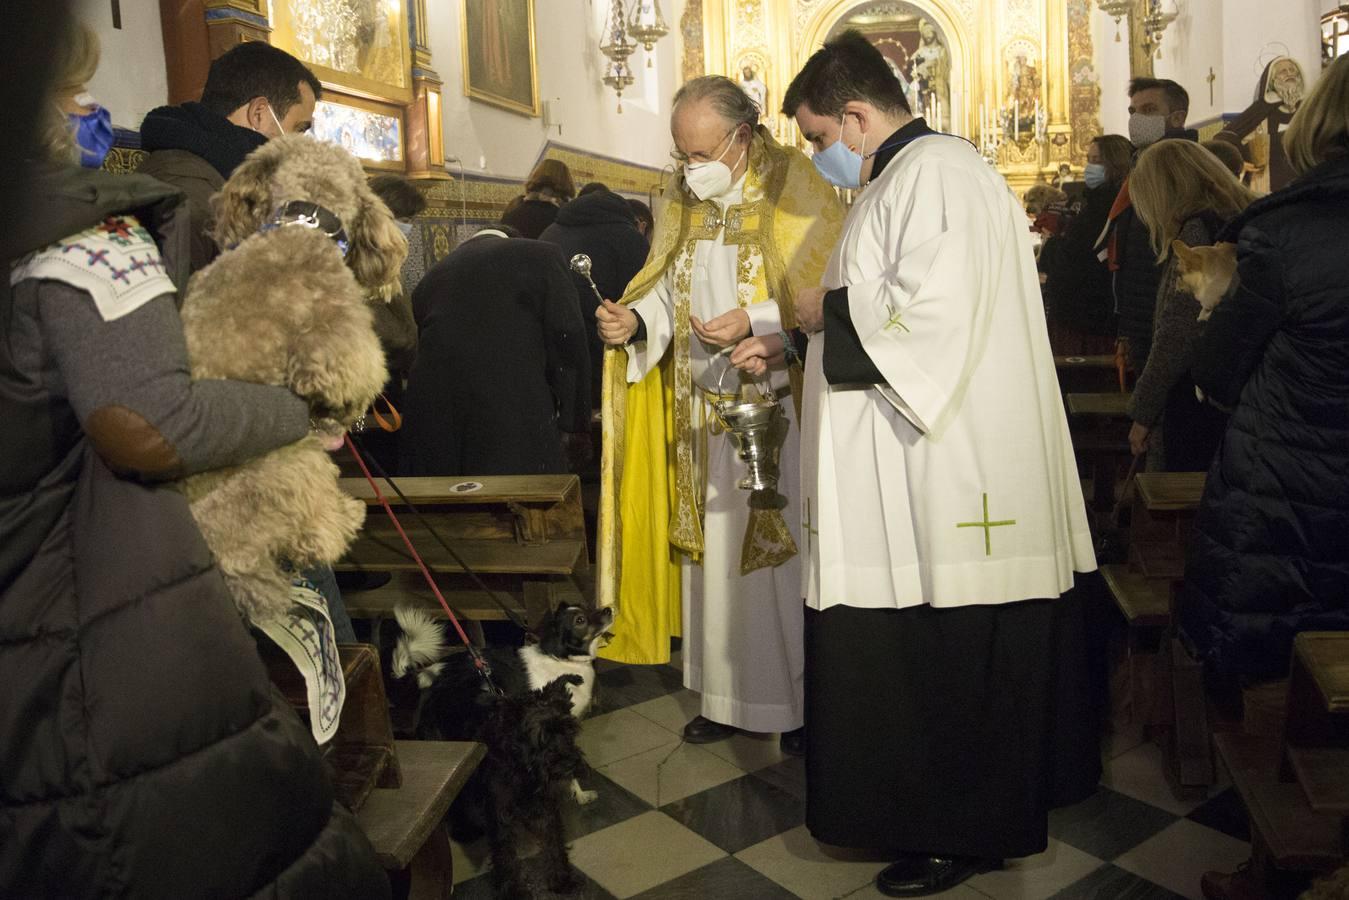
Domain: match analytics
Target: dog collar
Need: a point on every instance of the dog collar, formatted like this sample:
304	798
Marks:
309	215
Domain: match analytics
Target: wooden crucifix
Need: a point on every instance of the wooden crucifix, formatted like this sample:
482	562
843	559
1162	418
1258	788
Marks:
117	14
1210	79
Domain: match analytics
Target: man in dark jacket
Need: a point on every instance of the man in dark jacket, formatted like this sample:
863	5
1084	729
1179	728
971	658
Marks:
1157	110
600	224
253	93
502	372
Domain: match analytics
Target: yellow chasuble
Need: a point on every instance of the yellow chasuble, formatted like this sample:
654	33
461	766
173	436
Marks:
651	501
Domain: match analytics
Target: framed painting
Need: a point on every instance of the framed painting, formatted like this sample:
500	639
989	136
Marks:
359	47
373	132
500	65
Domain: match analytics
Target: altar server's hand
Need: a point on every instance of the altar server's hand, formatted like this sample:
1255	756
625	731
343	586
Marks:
724	330
810	309
757	355
616	323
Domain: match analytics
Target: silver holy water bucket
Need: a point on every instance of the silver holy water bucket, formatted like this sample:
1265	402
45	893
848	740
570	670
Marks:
758	428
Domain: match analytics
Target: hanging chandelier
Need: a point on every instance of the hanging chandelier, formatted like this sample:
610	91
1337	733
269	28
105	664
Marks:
1117	9
647	25
617	47
1154	24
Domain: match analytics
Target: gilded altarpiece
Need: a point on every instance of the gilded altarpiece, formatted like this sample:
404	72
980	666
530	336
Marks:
1017	77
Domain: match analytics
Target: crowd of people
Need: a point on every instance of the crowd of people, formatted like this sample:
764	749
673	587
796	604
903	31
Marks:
929	510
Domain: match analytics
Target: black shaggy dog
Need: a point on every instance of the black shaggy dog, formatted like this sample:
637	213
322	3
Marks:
522	783
530	729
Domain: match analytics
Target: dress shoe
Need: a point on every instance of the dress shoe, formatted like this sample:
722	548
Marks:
793	743
701	730
1238	885
920	876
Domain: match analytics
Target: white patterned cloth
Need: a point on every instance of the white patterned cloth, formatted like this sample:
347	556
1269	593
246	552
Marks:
306	635
117	263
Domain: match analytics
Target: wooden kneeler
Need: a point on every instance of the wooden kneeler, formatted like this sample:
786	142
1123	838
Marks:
362	753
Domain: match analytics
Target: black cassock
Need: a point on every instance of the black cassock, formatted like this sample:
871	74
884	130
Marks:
502	363
948	732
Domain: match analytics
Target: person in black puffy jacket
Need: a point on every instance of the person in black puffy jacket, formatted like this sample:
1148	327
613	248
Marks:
1269	555
600	224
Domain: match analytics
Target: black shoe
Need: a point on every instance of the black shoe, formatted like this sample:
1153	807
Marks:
793	743
919	876
702	730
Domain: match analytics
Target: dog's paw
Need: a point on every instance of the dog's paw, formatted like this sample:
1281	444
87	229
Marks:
582	797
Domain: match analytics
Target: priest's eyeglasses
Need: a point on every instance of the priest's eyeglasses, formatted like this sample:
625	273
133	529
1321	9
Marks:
698	157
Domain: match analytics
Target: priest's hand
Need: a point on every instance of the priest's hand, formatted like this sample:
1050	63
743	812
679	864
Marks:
1138	439
757	355
723	331
810	309
616	323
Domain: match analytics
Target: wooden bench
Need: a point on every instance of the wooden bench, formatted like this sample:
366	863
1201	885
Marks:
524	535
361	753
406	825
1295	788
1100	441
1080	374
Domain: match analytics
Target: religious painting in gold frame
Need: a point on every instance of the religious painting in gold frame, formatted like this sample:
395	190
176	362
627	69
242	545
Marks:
500	55
373	132
357	46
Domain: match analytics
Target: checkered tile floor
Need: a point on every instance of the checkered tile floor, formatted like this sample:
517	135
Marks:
726	820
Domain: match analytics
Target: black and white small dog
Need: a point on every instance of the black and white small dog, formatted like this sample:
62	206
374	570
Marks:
530	730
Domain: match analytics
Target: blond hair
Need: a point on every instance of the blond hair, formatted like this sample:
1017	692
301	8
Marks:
1320	127
1176	179
74	62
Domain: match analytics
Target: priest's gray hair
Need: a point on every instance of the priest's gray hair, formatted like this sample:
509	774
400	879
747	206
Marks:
727	98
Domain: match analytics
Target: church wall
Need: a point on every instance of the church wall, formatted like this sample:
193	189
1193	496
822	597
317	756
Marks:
503	144
1112	67
131	77
1194	43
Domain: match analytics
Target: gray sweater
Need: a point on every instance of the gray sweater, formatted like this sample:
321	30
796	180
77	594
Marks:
128	382
1176	328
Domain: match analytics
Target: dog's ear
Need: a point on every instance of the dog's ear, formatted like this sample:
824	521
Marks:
378	248
1189	259
246	200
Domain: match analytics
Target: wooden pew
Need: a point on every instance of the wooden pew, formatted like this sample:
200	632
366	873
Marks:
1085	374
524	535
406	826
1100	430
1296	789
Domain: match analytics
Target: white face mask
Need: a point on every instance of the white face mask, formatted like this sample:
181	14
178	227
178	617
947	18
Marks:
280	129
710	180
1145	130
405	227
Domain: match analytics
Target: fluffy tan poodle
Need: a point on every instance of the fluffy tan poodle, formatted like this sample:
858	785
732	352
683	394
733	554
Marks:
282	306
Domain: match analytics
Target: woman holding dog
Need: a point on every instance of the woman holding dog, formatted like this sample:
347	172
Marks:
1184	195
141	753
1269	555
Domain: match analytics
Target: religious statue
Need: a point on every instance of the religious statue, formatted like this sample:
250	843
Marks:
752	85
1278	94
931	67
1023	97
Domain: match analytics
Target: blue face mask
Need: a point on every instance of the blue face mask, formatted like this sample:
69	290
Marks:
840	165
1094	175
93	133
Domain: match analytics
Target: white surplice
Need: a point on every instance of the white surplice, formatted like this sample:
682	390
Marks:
742	634
954	483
